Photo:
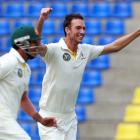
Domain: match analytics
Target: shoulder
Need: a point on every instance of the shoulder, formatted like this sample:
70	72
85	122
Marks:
86	47
92	50
8	58
53	45
89	46
8	62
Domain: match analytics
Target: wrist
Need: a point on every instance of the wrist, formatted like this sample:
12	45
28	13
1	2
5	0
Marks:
42	17
37	117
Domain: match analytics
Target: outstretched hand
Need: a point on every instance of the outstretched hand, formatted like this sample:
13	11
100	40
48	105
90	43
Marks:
49	122
45	12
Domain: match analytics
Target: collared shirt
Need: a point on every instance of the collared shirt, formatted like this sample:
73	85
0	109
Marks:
14	79
63	75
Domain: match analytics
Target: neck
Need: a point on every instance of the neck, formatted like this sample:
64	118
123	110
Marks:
73	46
22	54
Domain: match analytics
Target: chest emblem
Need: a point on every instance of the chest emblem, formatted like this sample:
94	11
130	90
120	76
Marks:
66	57
20	72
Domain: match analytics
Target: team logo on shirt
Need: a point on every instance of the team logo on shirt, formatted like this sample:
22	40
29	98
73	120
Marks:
82	56
20	73
66	56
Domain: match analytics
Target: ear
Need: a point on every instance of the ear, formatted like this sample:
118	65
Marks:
67	30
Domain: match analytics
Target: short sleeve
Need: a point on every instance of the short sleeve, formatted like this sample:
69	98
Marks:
50	53
93	50
7	63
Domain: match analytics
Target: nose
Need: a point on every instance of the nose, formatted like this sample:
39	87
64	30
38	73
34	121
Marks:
82	31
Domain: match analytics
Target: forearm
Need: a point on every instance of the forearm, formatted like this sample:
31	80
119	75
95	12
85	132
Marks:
28	107
39	25
120	43
125	40
43	16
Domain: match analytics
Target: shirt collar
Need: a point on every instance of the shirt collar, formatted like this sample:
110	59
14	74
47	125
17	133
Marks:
64	45
17	55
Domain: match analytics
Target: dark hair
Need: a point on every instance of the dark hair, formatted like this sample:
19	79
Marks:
69	18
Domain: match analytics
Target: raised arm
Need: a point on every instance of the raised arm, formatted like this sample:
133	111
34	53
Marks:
43	16
120	43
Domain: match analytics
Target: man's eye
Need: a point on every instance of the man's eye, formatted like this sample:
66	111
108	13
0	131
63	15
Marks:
78	28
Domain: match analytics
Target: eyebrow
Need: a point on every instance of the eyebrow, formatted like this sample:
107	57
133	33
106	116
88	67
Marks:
81	26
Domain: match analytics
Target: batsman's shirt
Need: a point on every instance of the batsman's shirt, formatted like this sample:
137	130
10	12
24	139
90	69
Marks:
14	79
63	75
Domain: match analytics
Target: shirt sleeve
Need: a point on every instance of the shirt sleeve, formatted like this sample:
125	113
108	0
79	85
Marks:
7	63
93	51
50	53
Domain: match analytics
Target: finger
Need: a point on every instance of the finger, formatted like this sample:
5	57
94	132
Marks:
53	122
46	10
50	9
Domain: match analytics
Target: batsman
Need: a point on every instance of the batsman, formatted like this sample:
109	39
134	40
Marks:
14	79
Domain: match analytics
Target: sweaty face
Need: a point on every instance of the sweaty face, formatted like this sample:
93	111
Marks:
76	31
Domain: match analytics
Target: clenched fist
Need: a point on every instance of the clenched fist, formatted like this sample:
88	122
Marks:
49	122
45	12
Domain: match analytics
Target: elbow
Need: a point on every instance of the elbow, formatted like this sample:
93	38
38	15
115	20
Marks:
37	32
24	96
117	48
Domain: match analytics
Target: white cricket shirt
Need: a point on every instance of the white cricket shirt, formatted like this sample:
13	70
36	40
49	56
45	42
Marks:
14	79
63	75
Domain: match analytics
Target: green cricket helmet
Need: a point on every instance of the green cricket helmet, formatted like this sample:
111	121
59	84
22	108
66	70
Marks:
24	33
22	38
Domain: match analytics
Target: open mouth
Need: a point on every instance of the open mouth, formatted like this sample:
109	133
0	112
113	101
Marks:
80	37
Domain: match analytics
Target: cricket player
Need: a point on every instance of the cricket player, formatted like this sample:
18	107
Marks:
66	61
14	79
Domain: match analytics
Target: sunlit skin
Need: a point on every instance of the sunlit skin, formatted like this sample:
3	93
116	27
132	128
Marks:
75	34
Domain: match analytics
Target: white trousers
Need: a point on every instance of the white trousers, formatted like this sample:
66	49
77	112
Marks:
66	127
11	130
